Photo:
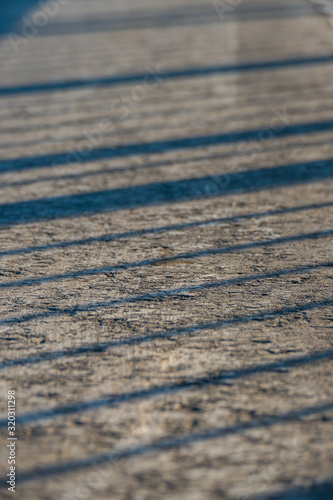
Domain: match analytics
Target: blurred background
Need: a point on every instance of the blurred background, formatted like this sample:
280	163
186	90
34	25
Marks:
166	248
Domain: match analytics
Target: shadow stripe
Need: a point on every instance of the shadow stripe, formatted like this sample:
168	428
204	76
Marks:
162	229
164	192
168	444
172	258
181	18
154	336
209	379
164	146
168	75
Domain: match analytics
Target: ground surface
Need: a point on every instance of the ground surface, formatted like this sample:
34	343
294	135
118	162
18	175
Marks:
166	213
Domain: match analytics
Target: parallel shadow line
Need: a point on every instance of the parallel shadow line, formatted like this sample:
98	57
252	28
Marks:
172	443
209	379
169	75
75	175
162	229
180	18
184	190
161	146
319	491
188	330
164	260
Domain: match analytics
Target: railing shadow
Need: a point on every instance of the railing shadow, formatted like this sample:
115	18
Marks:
165	260
172	443
158	147
110	170
321	491
128	79
201	382
164	192
162	229
198	15
141	339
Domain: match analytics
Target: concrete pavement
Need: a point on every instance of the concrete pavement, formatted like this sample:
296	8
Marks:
166	181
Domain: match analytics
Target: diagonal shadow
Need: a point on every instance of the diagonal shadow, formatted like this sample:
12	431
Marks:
162	229
197	72
172	443
94	102
102	347
164	146
163	192
201	382
109	170
180	17
321	491
165	260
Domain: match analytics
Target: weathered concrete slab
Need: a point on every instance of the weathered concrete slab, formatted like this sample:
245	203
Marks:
166	258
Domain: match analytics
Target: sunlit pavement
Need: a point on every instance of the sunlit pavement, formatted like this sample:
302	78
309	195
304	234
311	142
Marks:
166	181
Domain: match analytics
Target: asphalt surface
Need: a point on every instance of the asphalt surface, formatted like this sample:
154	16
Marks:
166	174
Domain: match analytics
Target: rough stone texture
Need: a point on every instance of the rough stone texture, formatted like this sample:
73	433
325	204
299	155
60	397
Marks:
167	299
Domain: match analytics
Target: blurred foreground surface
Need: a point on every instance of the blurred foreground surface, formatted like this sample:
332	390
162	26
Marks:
166	253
